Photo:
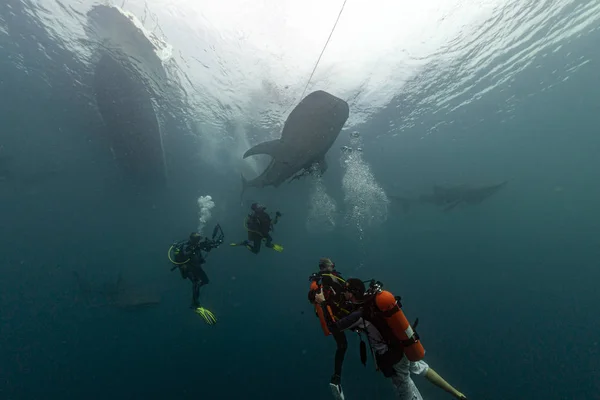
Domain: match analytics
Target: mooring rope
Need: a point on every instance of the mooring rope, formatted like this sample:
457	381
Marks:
323	51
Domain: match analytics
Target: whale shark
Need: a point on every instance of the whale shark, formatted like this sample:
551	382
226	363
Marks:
308	133
118	294
452	196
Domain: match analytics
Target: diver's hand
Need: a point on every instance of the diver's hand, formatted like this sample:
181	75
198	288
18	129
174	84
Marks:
277	214
319	297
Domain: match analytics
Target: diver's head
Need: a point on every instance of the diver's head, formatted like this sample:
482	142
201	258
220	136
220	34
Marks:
326	265
257	207
354	290
195	238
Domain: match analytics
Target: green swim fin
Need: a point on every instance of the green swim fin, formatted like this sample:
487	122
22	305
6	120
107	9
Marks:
277	247
208	316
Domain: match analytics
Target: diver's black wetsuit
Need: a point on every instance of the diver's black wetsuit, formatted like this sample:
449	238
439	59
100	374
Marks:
333	290
259	224
377	331
192	269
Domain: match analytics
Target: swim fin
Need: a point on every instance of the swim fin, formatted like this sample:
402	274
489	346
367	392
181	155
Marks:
336	391
208	316
277	247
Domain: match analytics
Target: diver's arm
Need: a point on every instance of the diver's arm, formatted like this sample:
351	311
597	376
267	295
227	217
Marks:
348	321
438	381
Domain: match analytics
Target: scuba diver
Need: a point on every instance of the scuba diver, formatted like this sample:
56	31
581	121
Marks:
327	295
259	224
394	343
188	258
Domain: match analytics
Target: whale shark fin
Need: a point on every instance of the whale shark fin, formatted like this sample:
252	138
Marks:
270	148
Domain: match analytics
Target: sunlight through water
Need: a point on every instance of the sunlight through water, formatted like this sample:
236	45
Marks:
250	60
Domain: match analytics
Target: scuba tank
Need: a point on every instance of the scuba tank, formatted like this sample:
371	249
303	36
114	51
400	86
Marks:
391	311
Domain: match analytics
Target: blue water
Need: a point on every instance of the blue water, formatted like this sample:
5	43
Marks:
505	291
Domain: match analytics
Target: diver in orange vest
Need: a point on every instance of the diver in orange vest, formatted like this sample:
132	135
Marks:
326	293
394	343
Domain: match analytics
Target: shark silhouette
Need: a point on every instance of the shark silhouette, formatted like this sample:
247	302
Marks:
450	197
116	294
308	133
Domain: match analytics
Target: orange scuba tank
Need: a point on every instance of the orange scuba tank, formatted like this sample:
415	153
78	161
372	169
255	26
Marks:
396	320
321	315
319	311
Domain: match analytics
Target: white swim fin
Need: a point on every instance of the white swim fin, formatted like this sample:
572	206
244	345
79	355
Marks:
336	391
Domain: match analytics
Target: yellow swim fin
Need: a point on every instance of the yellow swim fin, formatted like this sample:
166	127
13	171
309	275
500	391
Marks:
208	316
277	247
